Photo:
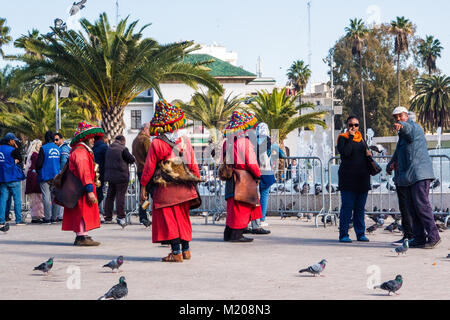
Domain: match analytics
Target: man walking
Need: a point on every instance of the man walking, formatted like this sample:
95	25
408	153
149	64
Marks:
10	178
48	165
415	172
117	174
141	145
64	149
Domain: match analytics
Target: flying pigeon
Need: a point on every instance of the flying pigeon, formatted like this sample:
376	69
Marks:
315	269
45	266
114	264
392	285
403	248
76	7
5	228
117	292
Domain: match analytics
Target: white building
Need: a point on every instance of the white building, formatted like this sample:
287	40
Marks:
235	81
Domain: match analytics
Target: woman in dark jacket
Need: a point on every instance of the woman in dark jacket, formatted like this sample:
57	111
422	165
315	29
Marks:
354	181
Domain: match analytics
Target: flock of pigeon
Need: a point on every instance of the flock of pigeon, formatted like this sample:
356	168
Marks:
117	292
391	286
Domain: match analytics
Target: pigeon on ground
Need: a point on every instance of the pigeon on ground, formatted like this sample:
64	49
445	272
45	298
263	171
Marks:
403	248
392	285
5	228
305	189
318	189
390	187
114	264
122	223
393	226
435	184
45	266
117	292
372	229
315	269
296	188
76	7
441	227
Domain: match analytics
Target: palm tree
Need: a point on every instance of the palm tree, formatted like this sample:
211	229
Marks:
5	38
280	112
213	110
432	102
429	50
401	28
357	32
298	75
36	115
22	42
111	66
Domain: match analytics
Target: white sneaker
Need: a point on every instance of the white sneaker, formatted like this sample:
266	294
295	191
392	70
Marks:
264	224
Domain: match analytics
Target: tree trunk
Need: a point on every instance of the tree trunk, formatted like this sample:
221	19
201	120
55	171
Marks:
398	79
112	122
363	104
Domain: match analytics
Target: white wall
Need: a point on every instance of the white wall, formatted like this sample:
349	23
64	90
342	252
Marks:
146	116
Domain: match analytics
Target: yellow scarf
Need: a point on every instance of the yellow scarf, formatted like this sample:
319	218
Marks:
357	137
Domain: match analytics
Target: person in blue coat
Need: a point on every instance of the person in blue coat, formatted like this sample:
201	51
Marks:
10	178
64	148
48	165
415	172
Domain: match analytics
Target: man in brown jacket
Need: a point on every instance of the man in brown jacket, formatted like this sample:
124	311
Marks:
140	147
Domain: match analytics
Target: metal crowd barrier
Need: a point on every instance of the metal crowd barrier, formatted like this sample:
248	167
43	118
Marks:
382	198
299	190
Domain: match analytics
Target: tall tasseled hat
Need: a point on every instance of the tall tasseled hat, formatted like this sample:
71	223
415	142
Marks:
240	121
167	118
86	131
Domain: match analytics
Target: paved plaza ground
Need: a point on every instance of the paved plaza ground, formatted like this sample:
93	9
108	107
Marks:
265	269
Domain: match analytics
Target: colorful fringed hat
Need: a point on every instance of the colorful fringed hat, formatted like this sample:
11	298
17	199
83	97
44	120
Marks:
240	122
167	118
86	131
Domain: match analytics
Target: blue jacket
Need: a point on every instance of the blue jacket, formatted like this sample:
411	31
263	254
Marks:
9	171
412	157
52	162
100	149
65	153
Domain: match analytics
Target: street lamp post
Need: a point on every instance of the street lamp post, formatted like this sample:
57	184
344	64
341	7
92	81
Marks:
330	61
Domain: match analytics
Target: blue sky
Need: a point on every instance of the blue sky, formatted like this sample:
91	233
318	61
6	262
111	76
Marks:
275	30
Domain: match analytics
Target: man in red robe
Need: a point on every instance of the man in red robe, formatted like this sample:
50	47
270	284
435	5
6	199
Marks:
171	202
239	214
85	216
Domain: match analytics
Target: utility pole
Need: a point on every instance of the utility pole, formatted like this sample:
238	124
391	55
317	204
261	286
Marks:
58	113
330	61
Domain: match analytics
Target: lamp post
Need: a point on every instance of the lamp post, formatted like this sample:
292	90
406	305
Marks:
332	64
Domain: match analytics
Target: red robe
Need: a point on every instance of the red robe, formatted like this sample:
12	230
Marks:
81	164
239	214
169	222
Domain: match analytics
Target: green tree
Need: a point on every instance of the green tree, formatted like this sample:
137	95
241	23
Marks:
213	110
5	38
380	86
298	75
280	112
401	28
429	50
432	102
357	33
23	42
36	114
111	66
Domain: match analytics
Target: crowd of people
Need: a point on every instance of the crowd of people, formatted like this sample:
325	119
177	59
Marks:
168	172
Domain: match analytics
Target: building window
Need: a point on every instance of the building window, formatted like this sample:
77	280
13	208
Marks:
136	117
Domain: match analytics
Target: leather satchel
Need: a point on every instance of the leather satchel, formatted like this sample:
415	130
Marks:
373	167
69	192
245	187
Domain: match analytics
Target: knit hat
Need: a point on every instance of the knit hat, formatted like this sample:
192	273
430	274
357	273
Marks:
167	118
240	122
86	131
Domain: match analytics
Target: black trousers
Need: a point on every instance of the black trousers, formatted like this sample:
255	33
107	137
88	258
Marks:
404	203
117	192
232	234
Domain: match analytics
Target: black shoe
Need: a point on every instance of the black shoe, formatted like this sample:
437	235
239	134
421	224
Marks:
247	231
432	244
400	242
146	223
54	221
60	220
243	239
260	231
416	244
8	218
45	221
38	221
